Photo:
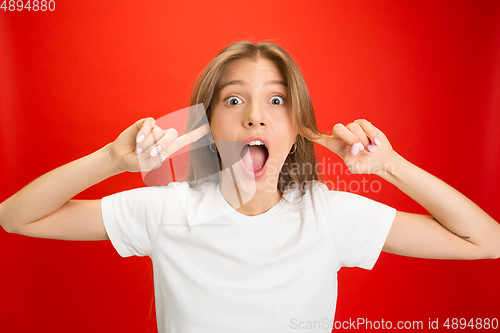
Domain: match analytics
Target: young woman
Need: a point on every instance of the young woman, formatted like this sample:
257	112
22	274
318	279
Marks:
251	246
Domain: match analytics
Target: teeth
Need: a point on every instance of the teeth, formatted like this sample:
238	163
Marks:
255	143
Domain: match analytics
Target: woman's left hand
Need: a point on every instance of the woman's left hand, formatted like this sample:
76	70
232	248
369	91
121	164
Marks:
362	146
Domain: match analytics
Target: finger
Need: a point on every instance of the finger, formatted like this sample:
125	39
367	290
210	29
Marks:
145	126
371	131
358	131
154	135
195	135
343	133
169	136
335	142
187	138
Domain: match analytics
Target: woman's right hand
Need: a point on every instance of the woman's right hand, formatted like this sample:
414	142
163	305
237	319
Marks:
144	145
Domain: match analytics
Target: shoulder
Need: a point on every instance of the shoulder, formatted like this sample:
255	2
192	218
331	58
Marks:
176	196
311	194
318	194
319	189
155	194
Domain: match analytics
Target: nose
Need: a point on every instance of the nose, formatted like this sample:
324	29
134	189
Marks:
254	117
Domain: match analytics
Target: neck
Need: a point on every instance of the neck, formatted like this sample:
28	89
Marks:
249	203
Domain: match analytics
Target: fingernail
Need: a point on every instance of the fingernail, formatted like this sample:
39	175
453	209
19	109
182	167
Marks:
138	150
354	149
370	148
140	138
155	150
361	147
161	158
377	142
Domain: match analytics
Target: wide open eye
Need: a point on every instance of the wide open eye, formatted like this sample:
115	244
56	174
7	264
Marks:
232	99
279	99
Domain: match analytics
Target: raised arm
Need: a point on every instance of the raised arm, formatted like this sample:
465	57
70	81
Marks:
44	208
457	229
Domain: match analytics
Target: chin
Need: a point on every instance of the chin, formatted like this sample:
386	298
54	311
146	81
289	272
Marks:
265	185
247	187
250	182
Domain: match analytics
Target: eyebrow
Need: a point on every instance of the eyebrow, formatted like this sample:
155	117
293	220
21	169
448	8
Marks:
242	83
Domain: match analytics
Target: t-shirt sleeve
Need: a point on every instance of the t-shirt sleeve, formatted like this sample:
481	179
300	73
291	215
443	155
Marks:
132	218
359	227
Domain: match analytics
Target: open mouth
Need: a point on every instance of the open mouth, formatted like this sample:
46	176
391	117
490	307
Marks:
254	156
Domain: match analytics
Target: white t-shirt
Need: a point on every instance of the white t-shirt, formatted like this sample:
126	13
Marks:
216	270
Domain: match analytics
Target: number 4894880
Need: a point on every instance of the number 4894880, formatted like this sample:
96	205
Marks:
30	5
476	323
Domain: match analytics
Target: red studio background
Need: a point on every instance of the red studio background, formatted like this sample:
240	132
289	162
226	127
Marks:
426	73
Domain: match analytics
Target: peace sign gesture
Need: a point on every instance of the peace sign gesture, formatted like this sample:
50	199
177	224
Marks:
362	146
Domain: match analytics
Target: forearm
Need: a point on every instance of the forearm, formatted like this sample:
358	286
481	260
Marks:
448	206
51	191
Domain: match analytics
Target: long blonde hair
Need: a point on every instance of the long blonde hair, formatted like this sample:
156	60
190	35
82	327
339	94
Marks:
300	166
